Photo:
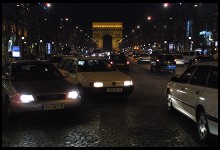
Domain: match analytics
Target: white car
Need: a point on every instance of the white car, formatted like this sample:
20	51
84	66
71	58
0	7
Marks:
96	78
143	58
195	94
179	60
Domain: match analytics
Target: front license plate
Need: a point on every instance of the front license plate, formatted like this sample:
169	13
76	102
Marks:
52	107
114	89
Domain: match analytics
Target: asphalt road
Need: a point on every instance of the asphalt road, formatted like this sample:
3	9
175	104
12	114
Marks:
141	121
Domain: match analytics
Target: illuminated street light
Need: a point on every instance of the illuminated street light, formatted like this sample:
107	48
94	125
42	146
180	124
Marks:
138	27
166	5
149	18
22	38
48	5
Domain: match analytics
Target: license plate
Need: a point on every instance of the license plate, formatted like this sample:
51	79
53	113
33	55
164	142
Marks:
52	107
114	89
120	64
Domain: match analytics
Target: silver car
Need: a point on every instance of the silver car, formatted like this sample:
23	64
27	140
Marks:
34	85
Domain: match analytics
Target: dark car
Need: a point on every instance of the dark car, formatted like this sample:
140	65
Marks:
200	58
163	62
120	61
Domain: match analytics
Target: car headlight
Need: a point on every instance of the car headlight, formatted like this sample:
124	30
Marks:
73	95
26	98
98	84
128	83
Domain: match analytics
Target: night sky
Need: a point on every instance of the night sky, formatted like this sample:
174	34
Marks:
83	14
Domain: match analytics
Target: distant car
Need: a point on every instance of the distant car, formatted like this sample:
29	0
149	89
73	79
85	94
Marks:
55	59
179	60
143	58
163	62
36	86
200	59
97	78
195	94
120	61
97	53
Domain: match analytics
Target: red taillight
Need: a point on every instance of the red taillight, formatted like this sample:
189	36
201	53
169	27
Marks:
127	62
111	62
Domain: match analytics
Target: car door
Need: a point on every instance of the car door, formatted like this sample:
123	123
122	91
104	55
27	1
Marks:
193	90
179	89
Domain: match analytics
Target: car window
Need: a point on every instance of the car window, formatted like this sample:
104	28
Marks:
178	56
165	57
55	59
213	78
184	78
200	76
68	64
94	66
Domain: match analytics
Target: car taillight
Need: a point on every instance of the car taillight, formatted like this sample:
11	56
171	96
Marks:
127	62
111	62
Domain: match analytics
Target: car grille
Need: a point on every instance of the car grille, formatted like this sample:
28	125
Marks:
51	97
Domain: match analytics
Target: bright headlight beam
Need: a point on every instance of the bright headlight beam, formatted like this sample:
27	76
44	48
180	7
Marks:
73	94
26	98
98	84
127	83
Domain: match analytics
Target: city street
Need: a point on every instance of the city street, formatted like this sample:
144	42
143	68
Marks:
140	121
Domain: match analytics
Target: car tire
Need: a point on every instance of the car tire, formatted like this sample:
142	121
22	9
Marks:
169	103
202	127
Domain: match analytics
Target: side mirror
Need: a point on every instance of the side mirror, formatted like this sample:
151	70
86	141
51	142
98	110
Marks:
174	79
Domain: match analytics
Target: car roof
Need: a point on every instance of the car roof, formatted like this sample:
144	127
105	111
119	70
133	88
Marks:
64	55
208	63
30	62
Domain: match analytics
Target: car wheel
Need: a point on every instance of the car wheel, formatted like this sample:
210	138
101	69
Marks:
169	103
202	127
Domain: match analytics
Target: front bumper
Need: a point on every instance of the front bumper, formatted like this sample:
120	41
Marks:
18	107
102	92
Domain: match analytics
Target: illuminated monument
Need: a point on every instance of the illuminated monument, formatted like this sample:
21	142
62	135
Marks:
112	30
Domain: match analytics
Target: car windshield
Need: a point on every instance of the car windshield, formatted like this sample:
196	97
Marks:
94	66
56	59
144	55
178	56
166	57
34	72
118	57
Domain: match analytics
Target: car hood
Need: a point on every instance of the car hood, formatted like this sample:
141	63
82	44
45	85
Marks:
43	87
105	76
